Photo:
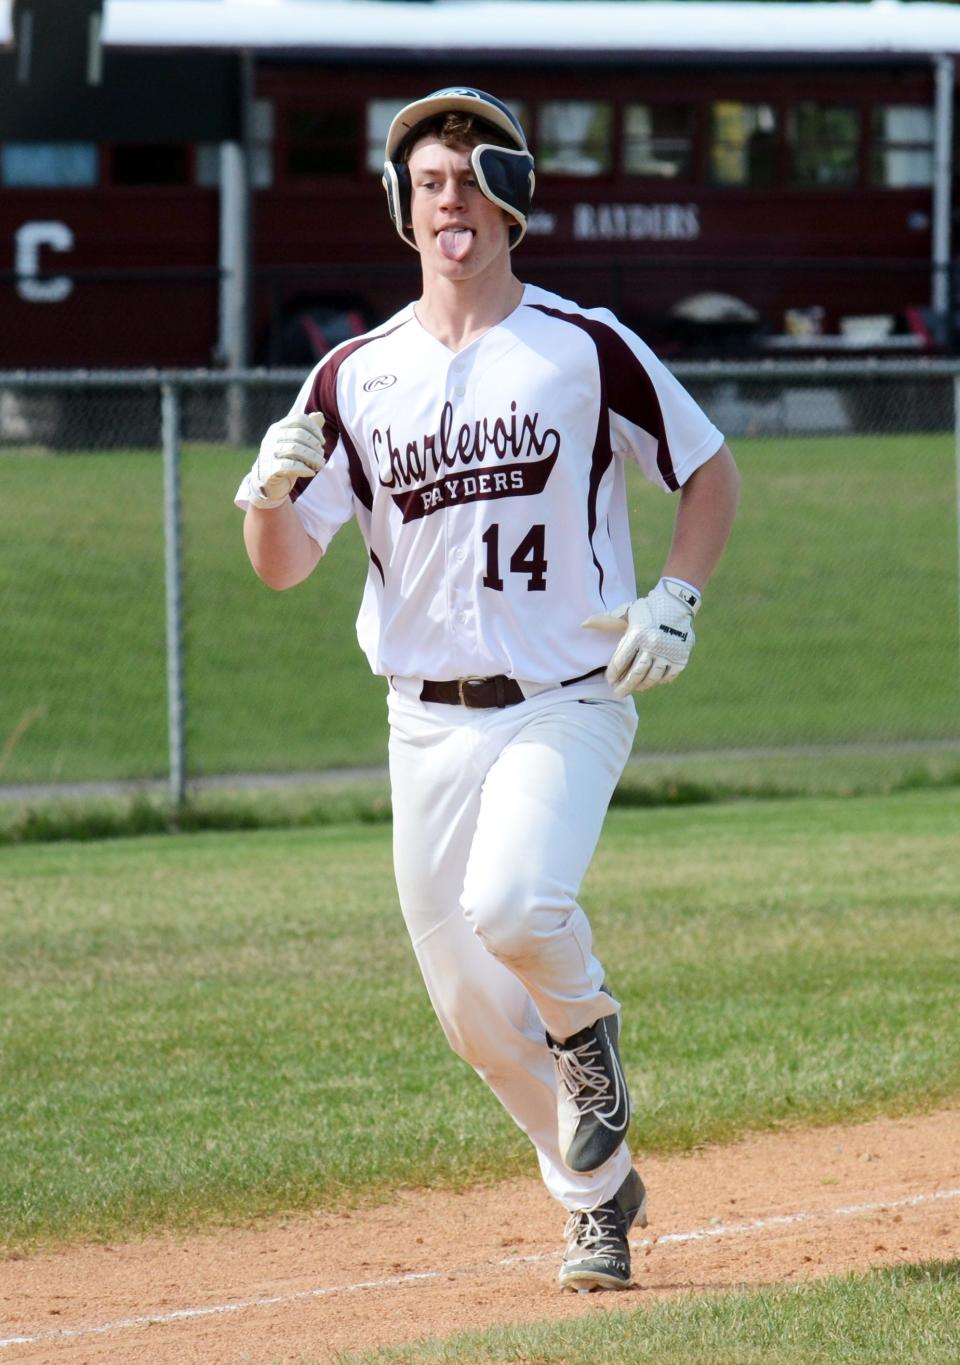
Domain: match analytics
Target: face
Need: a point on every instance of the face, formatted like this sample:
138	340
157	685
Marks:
458	231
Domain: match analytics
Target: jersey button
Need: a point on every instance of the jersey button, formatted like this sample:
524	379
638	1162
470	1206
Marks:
459	391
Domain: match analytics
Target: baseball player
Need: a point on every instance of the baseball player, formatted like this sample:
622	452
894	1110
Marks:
480	437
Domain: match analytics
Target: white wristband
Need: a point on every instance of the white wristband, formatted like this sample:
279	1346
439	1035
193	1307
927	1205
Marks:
685	592
251	492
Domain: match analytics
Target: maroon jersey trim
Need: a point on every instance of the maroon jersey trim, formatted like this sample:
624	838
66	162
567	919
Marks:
323	398
625	385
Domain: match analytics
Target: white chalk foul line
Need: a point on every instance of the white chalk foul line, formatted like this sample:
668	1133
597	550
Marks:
424	1276
791	1219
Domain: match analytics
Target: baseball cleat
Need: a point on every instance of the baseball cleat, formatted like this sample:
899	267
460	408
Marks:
597	1254
593	1104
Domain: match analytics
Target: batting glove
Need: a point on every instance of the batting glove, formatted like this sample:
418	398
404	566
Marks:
292	449
657	637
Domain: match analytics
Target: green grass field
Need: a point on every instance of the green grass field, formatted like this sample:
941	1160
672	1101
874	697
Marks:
833	618
907	1315
171	1039
173	1032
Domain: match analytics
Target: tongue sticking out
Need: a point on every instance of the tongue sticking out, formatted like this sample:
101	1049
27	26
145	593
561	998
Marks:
455	243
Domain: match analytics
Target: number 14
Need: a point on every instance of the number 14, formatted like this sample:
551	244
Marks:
529	557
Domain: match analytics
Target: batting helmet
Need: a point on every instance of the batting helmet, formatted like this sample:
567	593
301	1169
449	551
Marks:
504	174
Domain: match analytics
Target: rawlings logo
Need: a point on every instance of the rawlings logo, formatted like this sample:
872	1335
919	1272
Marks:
382	381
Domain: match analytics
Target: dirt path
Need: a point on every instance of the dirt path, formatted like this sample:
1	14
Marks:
782	1208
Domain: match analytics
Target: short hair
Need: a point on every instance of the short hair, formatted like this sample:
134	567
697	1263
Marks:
454	129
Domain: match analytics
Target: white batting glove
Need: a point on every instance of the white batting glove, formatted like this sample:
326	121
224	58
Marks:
292	449
657	637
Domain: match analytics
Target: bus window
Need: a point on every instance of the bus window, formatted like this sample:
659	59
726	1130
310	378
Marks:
743	144
321	142
136	164
519	111
657	140
261	152
380	114
575	138
901	155
825	144
49	165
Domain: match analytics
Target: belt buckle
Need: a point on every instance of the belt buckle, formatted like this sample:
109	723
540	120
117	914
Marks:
461	684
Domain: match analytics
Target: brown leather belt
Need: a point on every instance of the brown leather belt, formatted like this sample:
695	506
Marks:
483	693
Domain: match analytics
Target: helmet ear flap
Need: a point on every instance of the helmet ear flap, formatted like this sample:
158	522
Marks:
396	183
506	177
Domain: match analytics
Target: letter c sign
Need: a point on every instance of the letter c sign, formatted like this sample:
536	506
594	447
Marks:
29	239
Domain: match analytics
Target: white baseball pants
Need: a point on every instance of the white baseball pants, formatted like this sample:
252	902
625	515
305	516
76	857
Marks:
496	815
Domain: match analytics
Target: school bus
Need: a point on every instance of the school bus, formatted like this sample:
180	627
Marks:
731	178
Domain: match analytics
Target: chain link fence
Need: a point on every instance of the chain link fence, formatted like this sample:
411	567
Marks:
139	645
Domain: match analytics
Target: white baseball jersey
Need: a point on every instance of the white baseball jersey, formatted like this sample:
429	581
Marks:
489	484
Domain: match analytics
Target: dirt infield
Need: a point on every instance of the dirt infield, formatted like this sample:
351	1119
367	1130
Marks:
774	1209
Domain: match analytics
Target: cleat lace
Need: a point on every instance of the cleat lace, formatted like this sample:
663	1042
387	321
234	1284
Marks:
586	1080
594	1232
